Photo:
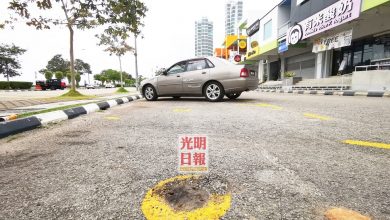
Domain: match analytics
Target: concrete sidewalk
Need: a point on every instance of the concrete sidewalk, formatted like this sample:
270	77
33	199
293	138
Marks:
24	106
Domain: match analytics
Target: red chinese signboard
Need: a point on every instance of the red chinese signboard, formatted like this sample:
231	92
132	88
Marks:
193	153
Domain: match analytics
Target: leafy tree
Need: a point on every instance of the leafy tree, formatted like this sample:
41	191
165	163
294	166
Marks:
78	14
112	75
128	21
78	78
69	76
48	74
82	67
59	75
57	63
9	64
117	47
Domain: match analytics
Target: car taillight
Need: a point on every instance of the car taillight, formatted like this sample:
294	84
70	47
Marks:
244	72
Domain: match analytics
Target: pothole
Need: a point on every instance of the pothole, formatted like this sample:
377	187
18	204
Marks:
184	195
190	193
188	197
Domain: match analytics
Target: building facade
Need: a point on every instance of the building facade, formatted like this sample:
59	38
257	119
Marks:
203	38
316	39
233	14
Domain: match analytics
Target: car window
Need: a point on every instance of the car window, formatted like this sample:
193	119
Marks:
210	64
196	65
177	68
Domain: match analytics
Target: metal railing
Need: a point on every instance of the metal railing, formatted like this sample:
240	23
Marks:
373	67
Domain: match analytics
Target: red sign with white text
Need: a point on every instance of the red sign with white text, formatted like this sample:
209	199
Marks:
193	153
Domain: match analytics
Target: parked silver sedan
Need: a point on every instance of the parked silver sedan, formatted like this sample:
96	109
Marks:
210	77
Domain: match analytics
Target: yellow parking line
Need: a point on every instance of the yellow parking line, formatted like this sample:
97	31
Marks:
321	117
274	107
367	144
182	110
114	118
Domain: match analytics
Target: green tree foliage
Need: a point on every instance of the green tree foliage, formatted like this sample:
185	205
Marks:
57	63
82	67
9	63
48	74
119	15
68	76
112	76
78	78
59	75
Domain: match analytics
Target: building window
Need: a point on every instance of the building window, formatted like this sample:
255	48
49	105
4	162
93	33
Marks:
267	30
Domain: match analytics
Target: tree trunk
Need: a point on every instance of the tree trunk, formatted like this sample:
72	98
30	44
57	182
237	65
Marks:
120	67
72	73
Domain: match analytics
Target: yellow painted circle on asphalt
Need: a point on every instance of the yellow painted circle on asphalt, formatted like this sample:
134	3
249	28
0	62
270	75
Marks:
155	207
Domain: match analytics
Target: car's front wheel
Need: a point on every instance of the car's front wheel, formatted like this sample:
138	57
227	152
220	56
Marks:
214	92
150	93
233	95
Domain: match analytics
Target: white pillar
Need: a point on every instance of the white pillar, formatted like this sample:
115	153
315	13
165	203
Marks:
260	71
282	66
319	65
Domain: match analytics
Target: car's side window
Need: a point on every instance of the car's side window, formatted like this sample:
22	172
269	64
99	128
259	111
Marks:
196	65
177	68
210	64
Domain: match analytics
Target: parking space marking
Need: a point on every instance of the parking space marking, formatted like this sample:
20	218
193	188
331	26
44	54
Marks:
315	116
113	118
367	144
274	107
182	110
155	207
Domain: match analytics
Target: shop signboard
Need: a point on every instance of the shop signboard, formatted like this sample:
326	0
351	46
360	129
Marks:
282	47
336	14
253	28
342	39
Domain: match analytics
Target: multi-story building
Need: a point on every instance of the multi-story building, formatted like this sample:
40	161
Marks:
323	39
203	37
233	14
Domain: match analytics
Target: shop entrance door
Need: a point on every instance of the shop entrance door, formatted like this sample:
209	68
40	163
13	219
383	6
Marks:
274	71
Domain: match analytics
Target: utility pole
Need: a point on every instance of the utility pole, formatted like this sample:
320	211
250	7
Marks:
136	63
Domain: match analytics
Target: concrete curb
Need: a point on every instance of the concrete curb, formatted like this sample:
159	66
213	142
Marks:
323	92
18	90
24	124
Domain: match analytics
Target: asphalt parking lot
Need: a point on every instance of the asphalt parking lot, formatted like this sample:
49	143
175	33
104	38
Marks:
283	156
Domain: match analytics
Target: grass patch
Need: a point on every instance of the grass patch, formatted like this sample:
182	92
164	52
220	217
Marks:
28	114
121	90
72	93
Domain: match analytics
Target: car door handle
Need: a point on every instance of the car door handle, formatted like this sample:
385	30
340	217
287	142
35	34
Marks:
178	76
203	72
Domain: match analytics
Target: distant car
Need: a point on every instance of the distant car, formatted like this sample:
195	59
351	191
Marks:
210	77
52	84
91	86
109	85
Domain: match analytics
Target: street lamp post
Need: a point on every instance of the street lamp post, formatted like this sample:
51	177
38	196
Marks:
136	63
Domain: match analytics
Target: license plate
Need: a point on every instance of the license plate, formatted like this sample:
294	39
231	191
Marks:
253	73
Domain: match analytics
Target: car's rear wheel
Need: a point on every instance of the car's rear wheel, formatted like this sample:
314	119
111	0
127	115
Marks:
150	93
233	95
214	92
